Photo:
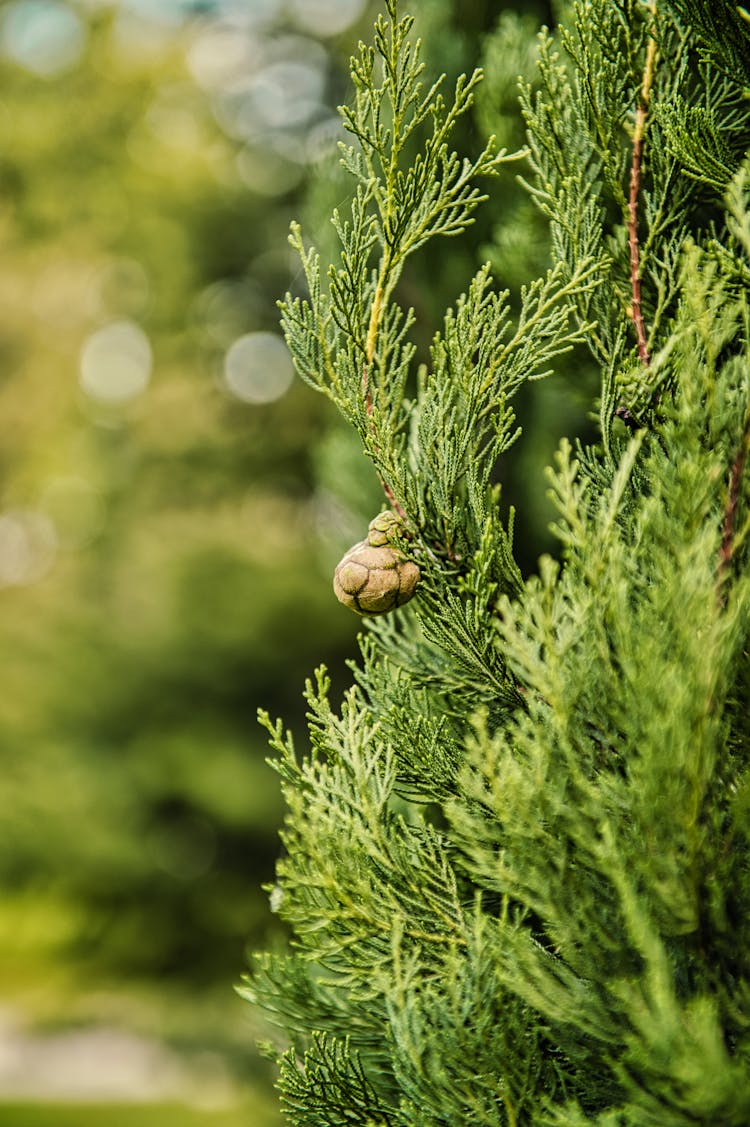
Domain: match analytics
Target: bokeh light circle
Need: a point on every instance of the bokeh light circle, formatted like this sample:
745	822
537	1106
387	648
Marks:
44	36
258	368
286	93
28	545
116	363
326	17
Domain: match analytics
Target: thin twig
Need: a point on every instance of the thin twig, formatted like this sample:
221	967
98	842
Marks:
372	336
639	130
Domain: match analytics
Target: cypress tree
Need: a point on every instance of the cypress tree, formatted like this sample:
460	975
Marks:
515	871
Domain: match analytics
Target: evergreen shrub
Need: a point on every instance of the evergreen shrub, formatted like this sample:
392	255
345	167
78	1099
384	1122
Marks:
515	870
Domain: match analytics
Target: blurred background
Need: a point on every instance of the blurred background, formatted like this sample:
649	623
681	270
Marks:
172	503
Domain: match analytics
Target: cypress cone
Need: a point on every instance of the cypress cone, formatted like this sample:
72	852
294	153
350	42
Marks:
374	577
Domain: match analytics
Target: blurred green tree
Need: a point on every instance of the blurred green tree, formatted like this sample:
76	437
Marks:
162	533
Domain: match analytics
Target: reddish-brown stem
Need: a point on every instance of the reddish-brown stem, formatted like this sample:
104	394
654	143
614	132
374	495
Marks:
636	310
639	129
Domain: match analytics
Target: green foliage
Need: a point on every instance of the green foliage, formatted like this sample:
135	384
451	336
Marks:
625	918
515	872
706	126
581	123
722	31
354	329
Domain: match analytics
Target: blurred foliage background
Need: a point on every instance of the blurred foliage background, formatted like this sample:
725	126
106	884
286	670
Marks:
172	503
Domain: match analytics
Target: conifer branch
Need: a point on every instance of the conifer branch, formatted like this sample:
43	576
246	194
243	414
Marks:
350	342
639	130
